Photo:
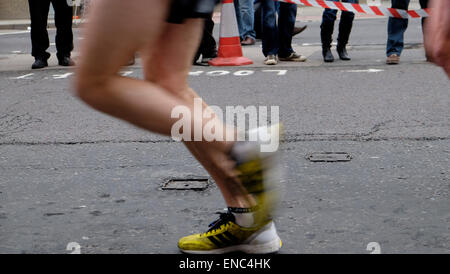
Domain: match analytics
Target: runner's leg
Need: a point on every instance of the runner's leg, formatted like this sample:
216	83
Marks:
168	66
116	30
110	43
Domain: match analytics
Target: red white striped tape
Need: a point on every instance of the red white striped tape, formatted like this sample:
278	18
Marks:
357	8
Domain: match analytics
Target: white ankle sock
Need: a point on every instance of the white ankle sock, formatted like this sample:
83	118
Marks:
243	216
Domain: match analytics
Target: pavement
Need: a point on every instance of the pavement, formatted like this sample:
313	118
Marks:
69	174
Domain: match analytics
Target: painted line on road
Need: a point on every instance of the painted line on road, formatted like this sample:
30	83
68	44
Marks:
278	71
238	73
212	73
62	76
16	32
23	76
366	70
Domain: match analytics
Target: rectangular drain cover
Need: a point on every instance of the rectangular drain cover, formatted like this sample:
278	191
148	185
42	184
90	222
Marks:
329	157
186	184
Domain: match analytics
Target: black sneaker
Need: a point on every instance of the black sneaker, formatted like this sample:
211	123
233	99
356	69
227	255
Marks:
39	63
205	60
66	61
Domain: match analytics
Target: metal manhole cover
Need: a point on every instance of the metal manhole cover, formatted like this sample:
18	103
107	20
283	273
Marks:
329	157
186	184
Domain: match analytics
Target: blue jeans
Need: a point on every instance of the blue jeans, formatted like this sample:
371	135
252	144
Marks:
245	15
277	38
397	27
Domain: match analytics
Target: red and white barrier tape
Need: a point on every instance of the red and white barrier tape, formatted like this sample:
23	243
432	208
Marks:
357	8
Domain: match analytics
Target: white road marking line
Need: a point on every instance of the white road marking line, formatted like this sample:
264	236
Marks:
214	73
16	32
366	70
217	73
243	73
195	73
236	73
24	76
62	76
311	44
279	71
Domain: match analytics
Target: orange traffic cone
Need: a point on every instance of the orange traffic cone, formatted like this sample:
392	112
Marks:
230	50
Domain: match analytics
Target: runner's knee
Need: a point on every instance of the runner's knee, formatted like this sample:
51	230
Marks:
172	82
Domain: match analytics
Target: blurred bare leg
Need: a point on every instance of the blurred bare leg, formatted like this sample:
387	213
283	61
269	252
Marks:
110	43
168	66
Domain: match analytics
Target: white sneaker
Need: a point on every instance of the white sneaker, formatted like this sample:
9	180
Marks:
271	60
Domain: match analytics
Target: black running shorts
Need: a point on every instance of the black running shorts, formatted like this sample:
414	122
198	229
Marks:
183	9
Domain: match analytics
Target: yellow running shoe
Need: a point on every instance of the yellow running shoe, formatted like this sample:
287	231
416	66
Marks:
226	236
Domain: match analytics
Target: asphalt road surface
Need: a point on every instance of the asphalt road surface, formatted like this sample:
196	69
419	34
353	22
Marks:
70	174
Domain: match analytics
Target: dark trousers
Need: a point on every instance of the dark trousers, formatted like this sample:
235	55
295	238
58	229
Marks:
208	47
397	27
277	38
39	36
345	26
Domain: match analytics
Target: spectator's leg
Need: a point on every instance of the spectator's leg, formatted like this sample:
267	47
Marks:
269	28
286	22
39	35
208	47
345	28
237	8
258	19
327	27
63	22
247	19
396	29
201	47
423	5
210	43
326	33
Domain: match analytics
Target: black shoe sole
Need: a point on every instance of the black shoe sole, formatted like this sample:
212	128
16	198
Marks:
66	65
33	67
201	64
